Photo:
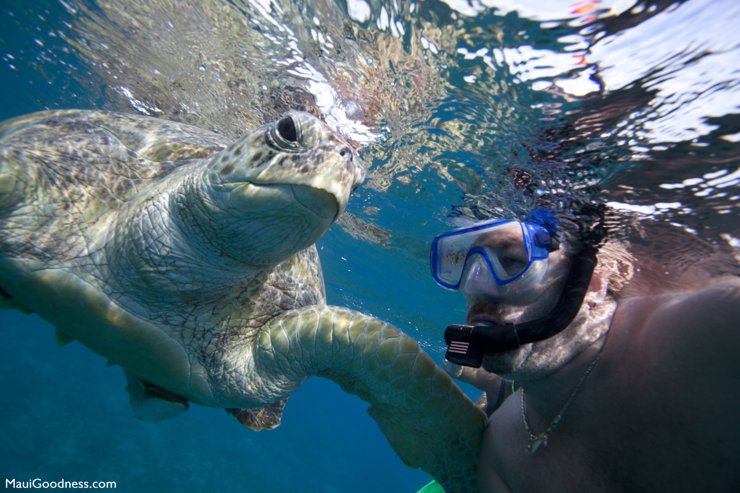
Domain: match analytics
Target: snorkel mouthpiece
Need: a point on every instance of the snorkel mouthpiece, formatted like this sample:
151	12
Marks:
466	344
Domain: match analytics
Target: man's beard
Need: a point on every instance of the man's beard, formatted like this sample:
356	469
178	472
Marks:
540	359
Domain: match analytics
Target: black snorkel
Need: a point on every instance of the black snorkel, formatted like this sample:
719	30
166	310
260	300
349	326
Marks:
466	344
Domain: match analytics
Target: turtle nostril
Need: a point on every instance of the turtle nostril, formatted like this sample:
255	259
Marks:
286	129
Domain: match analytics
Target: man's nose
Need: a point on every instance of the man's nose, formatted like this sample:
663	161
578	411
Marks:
510	252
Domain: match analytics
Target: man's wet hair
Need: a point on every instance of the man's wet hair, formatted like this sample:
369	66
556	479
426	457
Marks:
582	227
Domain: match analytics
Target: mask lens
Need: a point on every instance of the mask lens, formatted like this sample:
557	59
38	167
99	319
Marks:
502	244
450	253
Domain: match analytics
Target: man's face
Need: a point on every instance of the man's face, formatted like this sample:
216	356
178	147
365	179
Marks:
520	303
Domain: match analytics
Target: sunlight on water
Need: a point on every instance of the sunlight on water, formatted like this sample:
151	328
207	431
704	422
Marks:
459	96
461	108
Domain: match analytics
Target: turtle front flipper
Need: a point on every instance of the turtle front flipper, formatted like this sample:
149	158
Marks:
427	419
152	403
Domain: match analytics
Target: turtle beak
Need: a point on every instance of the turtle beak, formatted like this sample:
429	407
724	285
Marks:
318	202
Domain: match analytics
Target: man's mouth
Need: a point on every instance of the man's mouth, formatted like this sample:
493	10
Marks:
485	312
497	313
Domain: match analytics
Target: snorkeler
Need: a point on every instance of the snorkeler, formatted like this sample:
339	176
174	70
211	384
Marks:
594	382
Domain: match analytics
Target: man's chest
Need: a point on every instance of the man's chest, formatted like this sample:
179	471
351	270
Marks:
604	445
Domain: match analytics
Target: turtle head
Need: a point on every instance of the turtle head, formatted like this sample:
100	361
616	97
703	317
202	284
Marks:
278	189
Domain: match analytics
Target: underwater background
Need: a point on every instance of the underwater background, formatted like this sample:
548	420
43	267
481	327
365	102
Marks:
462	110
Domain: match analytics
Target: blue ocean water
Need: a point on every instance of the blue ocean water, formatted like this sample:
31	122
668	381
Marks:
632	103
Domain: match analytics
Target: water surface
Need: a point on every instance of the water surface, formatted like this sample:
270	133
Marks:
461	109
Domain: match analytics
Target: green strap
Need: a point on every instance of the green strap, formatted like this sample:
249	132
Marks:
433	487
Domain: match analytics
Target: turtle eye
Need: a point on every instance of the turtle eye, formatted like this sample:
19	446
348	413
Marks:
285	135
286	129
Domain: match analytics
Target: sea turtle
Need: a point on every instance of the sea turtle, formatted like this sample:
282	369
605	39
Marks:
189	261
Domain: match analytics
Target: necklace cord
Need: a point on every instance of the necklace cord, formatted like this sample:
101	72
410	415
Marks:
534	441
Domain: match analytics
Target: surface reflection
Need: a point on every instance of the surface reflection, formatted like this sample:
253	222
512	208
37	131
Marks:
462	108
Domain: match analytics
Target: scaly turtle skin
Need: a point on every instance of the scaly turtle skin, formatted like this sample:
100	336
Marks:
190	261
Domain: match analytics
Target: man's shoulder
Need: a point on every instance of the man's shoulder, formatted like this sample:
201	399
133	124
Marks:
722	294
699	325
712	307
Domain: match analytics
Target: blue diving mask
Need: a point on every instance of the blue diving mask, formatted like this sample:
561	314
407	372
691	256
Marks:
495	257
